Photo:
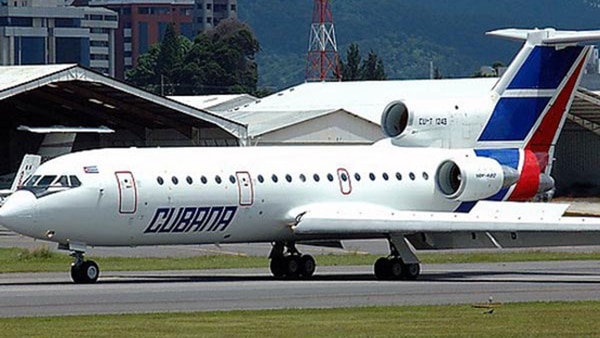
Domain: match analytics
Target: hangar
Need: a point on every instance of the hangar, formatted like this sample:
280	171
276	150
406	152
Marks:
70	95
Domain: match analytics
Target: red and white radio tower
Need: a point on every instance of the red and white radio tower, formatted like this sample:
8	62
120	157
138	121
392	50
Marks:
323	60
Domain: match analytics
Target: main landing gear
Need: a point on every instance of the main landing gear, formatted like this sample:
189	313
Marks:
82	271
290	264
401	264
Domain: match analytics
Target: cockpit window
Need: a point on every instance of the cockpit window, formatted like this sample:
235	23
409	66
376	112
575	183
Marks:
62	181
49	184
46	180
31	180
75	182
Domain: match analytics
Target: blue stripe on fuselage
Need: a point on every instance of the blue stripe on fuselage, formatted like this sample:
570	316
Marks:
545	67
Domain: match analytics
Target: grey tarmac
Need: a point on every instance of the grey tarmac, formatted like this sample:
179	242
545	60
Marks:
51	294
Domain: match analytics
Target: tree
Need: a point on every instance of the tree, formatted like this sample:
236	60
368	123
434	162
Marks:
219	61
372	68
357	69
351	68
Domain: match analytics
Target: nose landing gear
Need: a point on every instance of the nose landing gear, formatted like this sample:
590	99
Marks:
82	271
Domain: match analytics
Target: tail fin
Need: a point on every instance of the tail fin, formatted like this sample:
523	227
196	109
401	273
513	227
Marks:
28	167
535	93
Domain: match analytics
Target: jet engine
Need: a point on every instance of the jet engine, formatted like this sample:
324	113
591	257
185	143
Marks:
472	179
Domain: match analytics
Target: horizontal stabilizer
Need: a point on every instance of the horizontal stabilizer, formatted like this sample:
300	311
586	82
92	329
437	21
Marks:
63	129
548	36
486	216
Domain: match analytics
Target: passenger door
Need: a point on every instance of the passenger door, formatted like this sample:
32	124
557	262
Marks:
245	188
127	192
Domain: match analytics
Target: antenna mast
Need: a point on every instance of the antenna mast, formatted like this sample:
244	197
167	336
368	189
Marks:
323	60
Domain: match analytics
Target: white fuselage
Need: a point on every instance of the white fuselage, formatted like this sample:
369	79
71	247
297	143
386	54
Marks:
121	202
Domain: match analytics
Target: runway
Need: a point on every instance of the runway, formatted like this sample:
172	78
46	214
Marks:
139	292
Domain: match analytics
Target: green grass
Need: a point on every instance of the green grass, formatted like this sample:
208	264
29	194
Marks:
556	319
44	260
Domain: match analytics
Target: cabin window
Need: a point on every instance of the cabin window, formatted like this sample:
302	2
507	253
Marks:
344	177
260	178
203	180
357	176
174	180
232	179
189	180
385	176
399	176
330	177
302	178
160	180
218	179
274	178
412	176
288	178
425	176
316	178
372	176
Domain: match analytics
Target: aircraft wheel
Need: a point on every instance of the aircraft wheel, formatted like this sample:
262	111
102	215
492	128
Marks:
86	272
292	266
278	267
411	271
382	268
307	266
395	268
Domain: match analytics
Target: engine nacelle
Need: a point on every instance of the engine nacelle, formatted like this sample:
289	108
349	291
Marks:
472	179
440	123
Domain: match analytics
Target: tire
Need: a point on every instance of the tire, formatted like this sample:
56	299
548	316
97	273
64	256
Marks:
90	272
307	266
395	269
76	273
292	266
277	267
382	268
411	271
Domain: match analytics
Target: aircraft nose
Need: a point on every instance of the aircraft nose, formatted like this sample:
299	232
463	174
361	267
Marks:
19	212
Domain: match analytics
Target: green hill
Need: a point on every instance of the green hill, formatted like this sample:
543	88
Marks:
407	34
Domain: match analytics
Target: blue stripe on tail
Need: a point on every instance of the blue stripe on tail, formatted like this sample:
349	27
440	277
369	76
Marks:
545	67
513	118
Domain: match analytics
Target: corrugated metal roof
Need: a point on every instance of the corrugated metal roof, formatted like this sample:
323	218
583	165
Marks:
100	95
364	99
14	76
215	103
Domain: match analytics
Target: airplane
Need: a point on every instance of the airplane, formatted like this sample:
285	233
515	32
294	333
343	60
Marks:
412	196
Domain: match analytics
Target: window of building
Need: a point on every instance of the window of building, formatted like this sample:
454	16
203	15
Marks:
209	6
233	7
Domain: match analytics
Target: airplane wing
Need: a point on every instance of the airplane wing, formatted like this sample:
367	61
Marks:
369	220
